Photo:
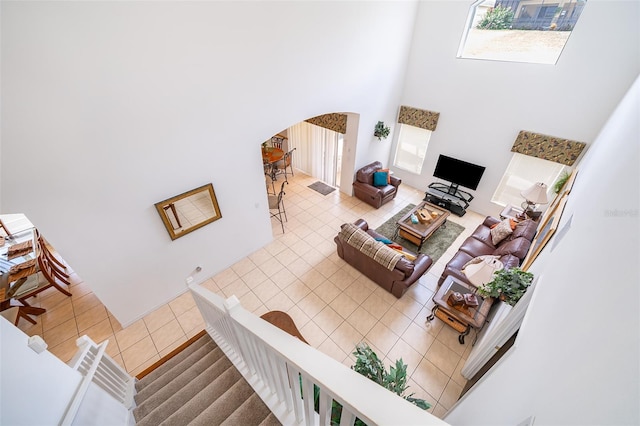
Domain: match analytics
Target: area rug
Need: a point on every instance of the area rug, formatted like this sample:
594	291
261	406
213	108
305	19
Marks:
437	243
322	188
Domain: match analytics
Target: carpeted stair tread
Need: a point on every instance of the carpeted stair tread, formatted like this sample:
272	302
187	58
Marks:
186	385
186	412
271	420
252	412
225	405
151	377
174	372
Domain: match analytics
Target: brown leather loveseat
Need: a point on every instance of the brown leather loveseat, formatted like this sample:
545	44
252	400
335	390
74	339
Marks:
397	280
511	250
364	189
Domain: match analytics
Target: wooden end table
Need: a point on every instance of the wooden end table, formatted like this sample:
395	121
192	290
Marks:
419	232
462	318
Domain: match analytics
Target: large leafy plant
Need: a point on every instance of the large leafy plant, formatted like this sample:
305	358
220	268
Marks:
369	365
508	285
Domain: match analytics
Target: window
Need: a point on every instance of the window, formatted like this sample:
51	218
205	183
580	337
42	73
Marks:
522	172
533	31
411	148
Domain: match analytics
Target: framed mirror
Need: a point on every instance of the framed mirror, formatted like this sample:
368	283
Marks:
189	211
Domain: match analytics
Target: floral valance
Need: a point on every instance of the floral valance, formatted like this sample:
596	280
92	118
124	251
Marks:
418	117
334	121
563	151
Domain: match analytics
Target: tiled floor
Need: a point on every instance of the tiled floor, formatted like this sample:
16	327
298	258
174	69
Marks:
333	305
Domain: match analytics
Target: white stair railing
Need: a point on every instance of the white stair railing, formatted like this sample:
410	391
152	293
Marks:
100	370
283	370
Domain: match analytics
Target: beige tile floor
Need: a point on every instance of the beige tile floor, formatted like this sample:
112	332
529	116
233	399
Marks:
299	272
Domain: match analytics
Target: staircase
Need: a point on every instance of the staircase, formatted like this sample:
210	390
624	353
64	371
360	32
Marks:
243	370
198	386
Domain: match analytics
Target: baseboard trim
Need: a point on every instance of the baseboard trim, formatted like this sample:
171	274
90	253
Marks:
170	355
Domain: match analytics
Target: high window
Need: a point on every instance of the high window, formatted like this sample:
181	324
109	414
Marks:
522	172
532	31
411	148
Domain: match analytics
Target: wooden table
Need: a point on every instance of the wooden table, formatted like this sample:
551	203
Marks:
462	318
419	232
271	154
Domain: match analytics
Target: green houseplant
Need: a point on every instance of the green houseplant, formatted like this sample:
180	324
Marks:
562	179
381	131
508	285
369	365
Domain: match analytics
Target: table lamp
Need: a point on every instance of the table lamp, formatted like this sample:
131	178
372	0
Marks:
481	273
536	194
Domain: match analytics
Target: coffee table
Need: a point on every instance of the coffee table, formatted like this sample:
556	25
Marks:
462	318
419	232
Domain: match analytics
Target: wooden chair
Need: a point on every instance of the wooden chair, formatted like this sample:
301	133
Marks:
276	203
50	274
58	267
14	313
11	315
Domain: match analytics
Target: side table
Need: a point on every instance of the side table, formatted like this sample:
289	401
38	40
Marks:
462	318
510	212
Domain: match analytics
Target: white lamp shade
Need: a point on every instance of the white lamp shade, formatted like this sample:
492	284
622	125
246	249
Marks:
481	273
536	194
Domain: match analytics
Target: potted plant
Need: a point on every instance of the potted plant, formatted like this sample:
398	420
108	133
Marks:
381	131
369	365
559	184
508	285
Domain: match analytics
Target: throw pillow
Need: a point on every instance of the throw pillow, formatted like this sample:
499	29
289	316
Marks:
500	232
512	223
380	178
384	240
388	174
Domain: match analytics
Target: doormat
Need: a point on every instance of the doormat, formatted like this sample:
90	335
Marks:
436	244
322	188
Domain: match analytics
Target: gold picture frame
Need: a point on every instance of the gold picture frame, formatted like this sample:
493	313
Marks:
189	211
545	232
566	189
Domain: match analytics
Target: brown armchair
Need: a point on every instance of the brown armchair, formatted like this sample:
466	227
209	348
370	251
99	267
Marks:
375	195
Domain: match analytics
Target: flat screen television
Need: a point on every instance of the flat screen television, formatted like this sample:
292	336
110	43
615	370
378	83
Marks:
458	172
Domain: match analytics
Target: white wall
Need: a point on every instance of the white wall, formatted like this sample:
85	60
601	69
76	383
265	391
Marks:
575	359
109	107
35	388
484	104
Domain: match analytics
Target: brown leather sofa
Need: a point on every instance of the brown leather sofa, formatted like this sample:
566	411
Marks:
397	281
376	196
512	250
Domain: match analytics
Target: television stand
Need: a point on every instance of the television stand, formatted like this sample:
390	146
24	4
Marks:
449	197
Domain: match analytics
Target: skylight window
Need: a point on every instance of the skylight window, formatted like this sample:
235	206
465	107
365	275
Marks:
533	31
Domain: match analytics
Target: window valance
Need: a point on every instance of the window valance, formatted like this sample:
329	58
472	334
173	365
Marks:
334	121
418	117
563	151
